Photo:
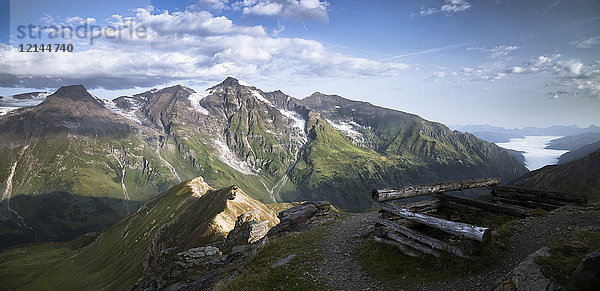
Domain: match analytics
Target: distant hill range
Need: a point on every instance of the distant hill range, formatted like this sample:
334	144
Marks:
579	153
574	142
576	176
497	134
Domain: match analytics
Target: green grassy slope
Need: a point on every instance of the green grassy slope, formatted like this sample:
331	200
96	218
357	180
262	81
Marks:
334	169
579	176
190	214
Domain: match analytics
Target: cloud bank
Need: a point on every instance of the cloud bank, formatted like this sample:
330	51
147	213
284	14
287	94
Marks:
187	45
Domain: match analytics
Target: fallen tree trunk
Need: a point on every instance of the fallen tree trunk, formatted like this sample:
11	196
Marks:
432	242
516	192
488	206
480	234
420	190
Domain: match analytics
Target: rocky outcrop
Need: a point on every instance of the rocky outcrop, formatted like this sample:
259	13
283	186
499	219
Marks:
296	218
195	256
587	274
248	230
528	275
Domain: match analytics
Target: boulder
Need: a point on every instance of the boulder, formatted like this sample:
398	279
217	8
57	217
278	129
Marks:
295	218
195	256
283	261
247	230
587	274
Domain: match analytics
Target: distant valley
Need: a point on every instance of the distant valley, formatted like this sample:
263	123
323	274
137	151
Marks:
538	147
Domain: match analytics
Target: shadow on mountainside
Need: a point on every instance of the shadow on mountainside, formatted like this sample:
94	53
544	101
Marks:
60	216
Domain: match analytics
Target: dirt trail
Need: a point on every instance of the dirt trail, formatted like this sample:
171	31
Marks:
341	268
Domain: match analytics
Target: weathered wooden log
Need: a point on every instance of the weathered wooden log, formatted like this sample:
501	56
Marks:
432	242
480	234
487	206
425	205
551	195
420	190
526	203
398	245
414	244
529	197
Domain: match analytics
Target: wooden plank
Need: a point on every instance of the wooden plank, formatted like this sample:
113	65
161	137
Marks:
414	244
562	196
487	206
421	190
460	229
528	197
405	250
526	203
432	242
425	205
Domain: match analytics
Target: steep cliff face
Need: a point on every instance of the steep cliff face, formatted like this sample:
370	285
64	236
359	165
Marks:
578	176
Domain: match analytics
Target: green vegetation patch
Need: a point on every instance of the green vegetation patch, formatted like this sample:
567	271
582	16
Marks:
566	255
295	275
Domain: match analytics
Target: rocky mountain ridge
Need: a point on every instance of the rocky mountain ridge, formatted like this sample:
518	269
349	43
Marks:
101	159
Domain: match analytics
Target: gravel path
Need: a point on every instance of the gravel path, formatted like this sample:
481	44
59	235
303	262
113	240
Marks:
341	268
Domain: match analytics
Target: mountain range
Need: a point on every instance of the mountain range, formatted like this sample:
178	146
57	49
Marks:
75	163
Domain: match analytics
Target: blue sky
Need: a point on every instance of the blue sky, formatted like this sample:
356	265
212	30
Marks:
506	63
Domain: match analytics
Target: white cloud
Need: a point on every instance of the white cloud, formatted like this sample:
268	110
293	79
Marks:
497	51
572	66
587	43
566	77
455	6
297	10
449	7
214	4
518	70
185	46
264	8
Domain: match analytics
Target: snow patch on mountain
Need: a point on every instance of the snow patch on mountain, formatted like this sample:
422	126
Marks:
229	158
110	105
299	122
348	128
260	97
195	100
